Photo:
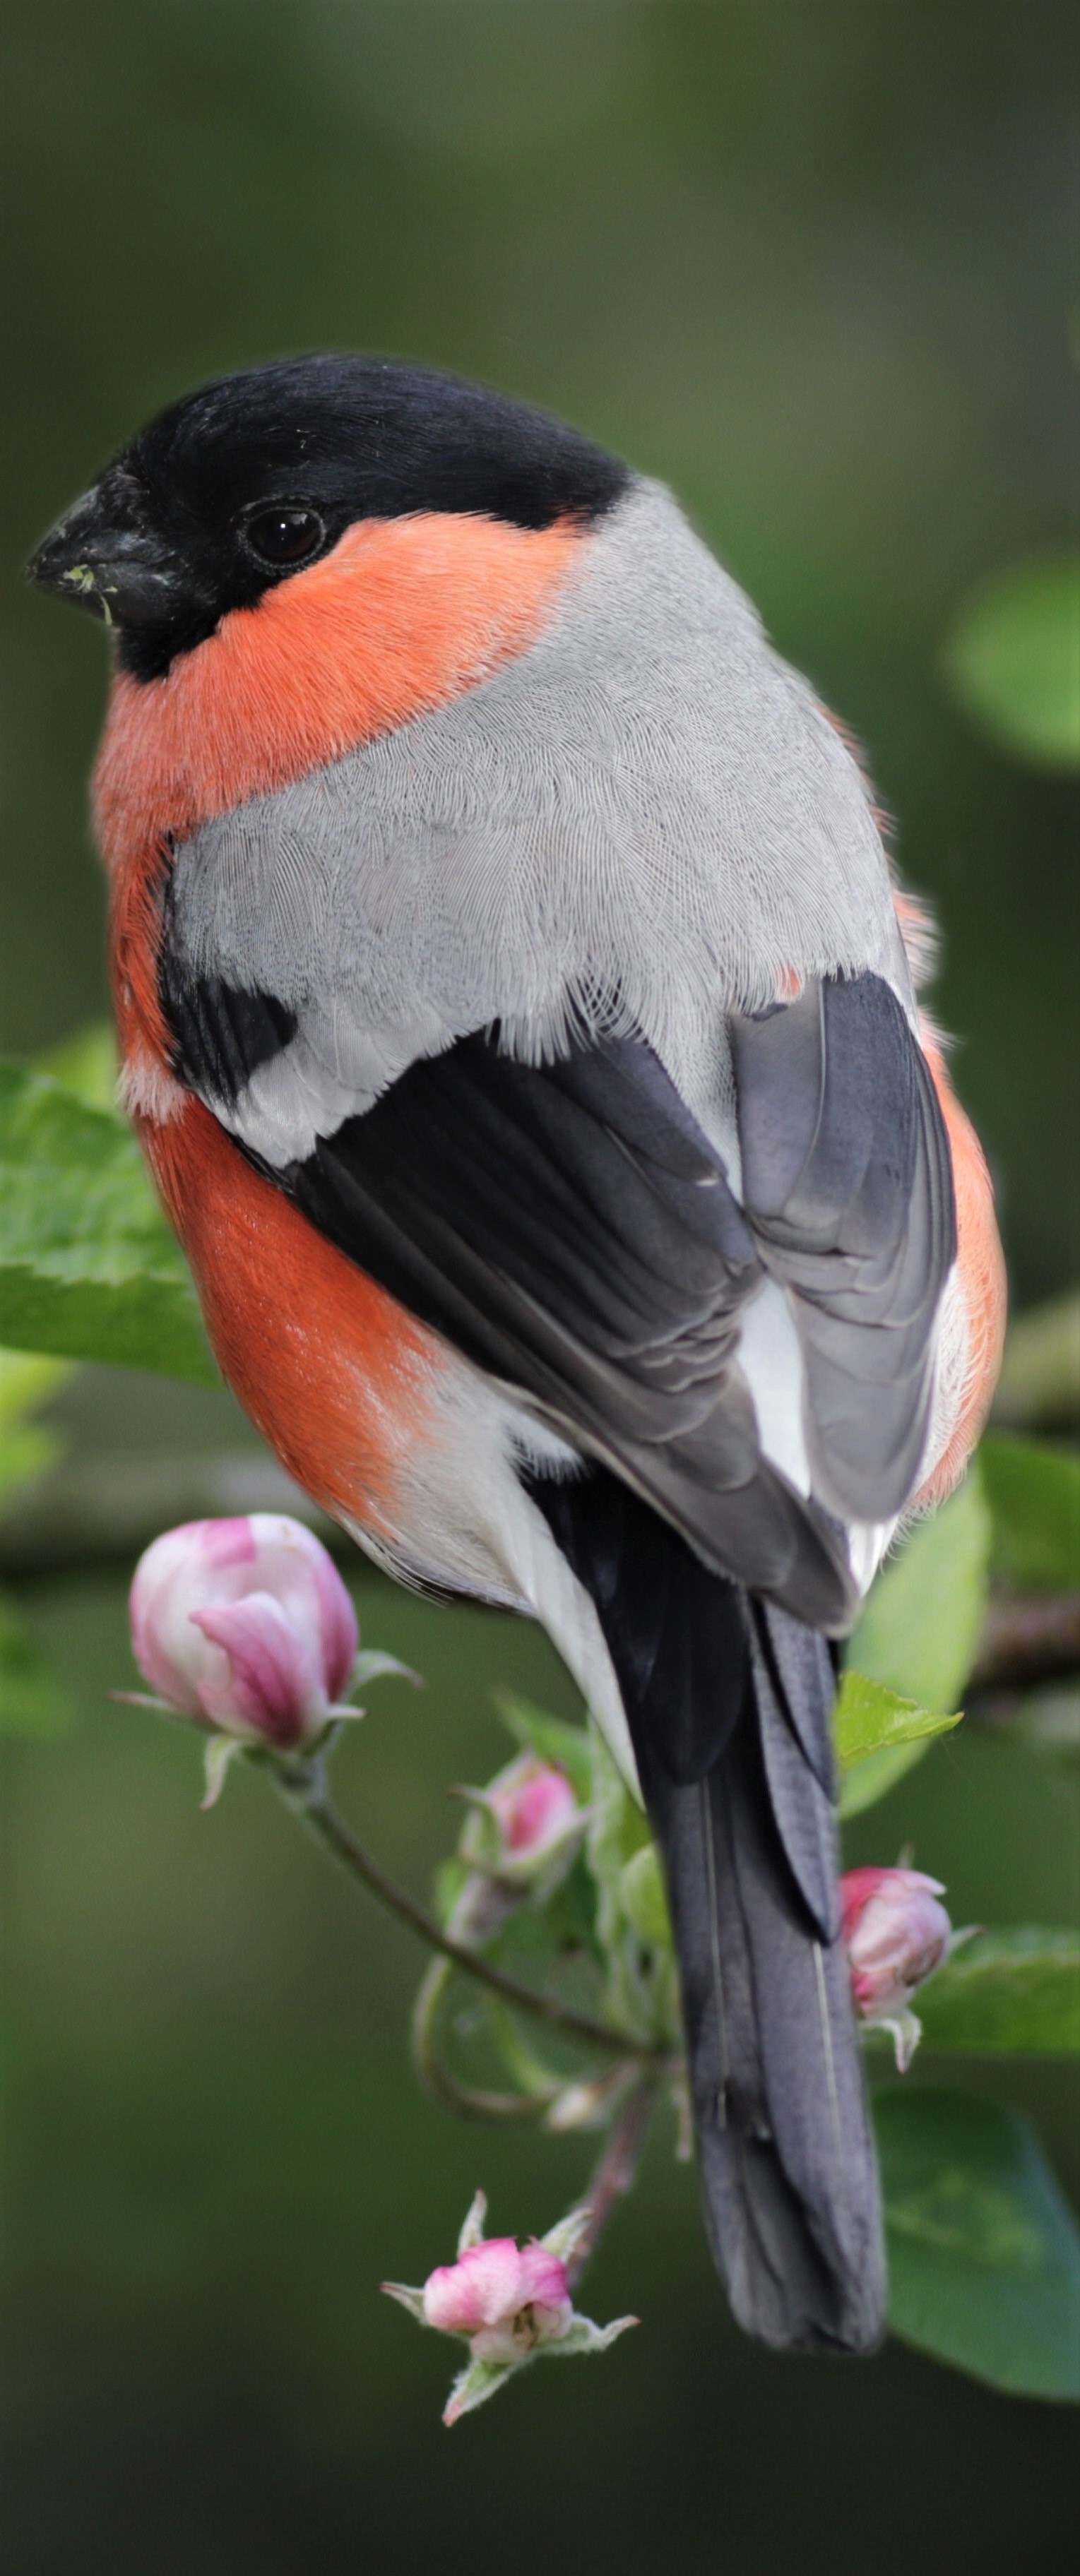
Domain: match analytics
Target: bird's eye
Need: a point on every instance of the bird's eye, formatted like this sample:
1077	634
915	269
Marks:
284	535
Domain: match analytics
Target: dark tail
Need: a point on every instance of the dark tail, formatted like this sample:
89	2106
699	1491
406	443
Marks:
791	2192
729	1703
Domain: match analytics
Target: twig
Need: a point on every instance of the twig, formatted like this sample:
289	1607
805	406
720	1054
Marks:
470	2101
303	1788
106	1509
1028	1637
615	2171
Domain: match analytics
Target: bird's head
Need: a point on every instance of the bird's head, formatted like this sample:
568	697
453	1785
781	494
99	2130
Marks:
248	481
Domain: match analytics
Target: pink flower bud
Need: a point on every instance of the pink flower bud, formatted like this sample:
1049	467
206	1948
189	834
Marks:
245	1626
509	2302
505	2299
533	1806
895	1934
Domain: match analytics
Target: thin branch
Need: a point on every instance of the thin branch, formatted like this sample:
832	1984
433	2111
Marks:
471	2102
303	1788
1027	1638
105	1510
615	2171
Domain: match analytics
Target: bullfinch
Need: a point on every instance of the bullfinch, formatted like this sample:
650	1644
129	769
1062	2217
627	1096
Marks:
520	1021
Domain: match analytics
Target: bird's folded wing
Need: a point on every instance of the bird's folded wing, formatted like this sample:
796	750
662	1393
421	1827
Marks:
570	1229
847	1187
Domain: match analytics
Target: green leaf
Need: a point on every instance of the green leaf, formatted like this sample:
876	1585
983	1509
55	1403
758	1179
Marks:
1017	1990
870	1719
984	2253
872	1779
32	1699
550	1739
878	1736
1039	1386
26	1447
1034	1498
1013	660
919	1627
25	1454
86	1064
88	1267
27	1380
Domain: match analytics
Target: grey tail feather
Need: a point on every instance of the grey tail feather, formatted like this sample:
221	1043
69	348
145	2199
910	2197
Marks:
729	1703
787	2155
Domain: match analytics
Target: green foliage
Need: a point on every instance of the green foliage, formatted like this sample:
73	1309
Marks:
88	1267
877	1736
27	1448
920	1626
85	1063
984	2254
1015	1992
915	1638
1034	1497
1013	660
32	1699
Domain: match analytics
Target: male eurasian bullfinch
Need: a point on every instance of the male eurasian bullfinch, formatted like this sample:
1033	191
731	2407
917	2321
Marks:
519	1020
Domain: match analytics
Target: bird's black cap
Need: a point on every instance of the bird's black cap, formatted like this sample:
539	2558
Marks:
242	482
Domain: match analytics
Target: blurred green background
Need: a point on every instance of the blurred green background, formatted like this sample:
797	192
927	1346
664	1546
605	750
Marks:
812	264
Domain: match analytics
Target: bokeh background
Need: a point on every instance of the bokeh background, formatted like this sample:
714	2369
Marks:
812	262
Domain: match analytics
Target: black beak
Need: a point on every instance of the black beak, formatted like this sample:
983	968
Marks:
105	556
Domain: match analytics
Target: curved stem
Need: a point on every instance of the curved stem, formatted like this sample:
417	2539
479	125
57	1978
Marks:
303	1788
468	2100
615	2170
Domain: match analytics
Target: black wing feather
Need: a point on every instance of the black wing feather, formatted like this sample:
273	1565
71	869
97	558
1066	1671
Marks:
570	1228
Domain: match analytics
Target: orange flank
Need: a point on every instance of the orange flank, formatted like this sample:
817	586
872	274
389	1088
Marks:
981	1266
333	1372
402	617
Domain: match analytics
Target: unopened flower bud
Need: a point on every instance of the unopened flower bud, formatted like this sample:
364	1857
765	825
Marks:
533	1807
508	2302
520	1838
896	1934
246	1627
504	2298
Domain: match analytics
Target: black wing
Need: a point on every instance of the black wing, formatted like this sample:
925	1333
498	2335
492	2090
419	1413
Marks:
569	1227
